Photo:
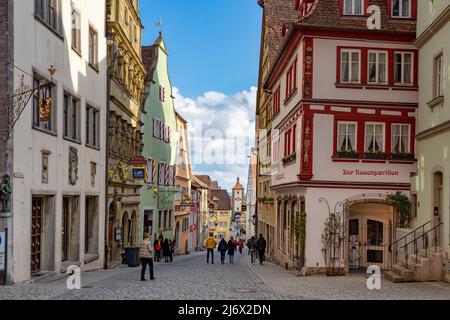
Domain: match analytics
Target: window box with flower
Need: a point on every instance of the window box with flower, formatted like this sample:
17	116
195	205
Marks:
377	155
347	154
290	158
402	156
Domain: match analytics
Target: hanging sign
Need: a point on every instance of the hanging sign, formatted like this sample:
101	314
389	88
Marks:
138	173
139	167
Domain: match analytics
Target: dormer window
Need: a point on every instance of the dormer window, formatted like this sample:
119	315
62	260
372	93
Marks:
401	8
353	7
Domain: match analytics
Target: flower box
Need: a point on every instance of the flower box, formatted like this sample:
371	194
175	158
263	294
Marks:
402	156
289	158
375	155
348	154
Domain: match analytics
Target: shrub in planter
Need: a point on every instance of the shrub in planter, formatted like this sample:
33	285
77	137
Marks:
348	154
375	155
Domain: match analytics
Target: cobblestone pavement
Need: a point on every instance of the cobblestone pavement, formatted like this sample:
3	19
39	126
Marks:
189	277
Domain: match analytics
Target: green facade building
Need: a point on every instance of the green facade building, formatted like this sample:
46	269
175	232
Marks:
160	141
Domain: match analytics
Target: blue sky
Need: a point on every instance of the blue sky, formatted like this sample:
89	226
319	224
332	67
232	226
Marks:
213	50
213	44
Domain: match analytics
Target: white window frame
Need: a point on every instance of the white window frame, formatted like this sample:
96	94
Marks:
346	123
409	136
400	10
438	75
74	106
377	66
93	47
383	149
403	83
350	65
76	41
353	13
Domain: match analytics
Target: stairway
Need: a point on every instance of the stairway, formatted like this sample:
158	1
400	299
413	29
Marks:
427	265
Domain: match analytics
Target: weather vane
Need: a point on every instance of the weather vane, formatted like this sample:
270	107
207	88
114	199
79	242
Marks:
160	25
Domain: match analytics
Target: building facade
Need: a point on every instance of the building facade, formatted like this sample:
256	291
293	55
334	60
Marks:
183	197
276	14
204	204
219	216
431	185
58	164
126	92
251	196
344	106
160	144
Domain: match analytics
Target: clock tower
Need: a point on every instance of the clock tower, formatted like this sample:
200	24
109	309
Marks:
237	198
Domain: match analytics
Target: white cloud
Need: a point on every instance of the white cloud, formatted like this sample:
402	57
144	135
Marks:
221	132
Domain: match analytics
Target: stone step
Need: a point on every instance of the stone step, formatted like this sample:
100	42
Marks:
407	274
418	260
446	277
393	277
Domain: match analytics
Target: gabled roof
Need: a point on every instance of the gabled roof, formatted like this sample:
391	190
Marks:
223	199
238	185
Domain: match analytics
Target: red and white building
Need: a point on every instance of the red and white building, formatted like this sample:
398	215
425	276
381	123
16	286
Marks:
344	114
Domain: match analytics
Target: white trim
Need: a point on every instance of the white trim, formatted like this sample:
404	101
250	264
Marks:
374	123
400	7
341	109
353	9
320	108
347	123
391	113
377	69
350	63
366	111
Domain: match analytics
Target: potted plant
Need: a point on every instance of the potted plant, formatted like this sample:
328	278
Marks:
377	154
402	207
350	154
402	156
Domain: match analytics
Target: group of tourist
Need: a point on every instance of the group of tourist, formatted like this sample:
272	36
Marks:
146	253
256	247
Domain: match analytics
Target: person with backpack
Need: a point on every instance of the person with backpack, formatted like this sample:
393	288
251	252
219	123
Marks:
231	249
261	245
222	248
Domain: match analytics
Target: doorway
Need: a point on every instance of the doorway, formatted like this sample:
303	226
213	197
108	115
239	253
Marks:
437	205
36	235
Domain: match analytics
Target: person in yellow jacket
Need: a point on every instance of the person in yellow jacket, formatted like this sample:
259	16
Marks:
210	245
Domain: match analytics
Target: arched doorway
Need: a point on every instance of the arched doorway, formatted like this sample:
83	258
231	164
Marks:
369	232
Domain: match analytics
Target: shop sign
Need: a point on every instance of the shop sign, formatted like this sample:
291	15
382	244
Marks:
138	173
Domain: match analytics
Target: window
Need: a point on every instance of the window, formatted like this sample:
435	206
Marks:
350	66
438	77
93	48
287	143
161	173
93	173
346	140
276	98
294	138
403	68
185	224
44	106
162	93
151	172
353	7
414	205
44	171
170	218
223	224
401	8
291	79
160	219
374	233
374	138
400	138
165	218
377	67
76	31
92	127
71	117
156	128
48	11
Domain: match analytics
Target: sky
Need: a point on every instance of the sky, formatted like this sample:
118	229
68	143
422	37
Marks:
213	51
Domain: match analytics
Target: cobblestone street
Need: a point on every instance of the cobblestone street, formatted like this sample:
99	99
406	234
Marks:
189	277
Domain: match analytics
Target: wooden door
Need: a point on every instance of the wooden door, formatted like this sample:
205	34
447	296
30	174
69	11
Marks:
36	235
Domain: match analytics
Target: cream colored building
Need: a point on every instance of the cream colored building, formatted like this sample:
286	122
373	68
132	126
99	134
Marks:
124	29
431	186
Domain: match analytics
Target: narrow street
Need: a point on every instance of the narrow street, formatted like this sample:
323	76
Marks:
190	278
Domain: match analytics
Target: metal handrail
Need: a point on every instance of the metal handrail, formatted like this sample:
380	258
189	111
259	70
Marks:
412	232
424	235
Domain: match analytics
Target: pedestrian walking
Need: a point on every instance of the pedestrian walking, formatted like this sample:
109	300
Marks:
157	247
172	249
210	245
252	249
240	245
261	245
166	250
231	249
145	254
249	245
222	248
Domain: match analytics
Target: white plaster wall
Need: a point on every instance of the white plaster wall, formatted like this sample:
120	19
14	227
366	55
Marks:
325	169
324	77
37	47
